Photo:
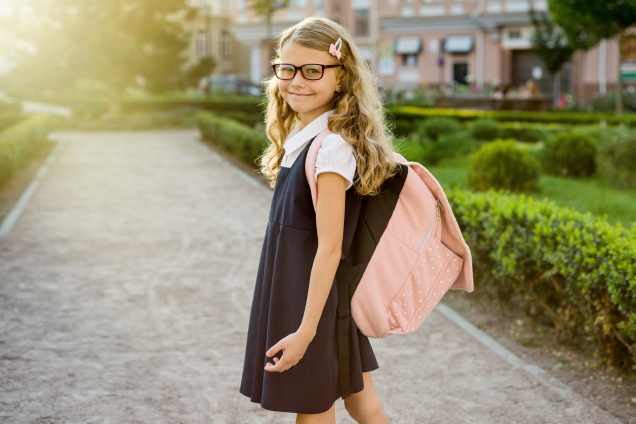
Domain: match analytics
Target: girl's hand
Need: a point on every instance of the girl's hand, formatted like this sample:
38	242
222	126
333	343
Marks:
293	347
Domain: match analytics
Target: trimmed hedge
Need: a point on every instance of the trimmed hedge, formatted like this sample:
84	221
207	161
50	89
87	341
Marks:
412	113
573	268
20	141
521	131
232	136
91	106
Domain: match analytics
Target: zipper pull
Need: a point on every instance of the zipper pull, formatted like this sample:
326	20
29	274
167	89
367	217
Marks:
438	205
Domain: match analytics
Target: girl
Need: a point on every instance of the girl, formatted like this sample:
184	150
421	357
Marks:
320	81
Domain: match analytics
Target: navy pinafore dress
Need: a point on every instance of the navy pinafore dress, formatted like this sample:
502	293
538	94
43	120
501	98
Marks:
282	284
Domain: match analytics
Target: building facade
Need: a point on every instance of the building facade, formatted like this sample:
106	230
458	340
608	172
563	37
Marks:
480	42
412	43
211	36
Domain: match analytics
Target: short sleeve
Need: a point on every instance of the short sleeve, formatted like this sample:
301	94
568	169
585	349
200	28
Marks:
336	155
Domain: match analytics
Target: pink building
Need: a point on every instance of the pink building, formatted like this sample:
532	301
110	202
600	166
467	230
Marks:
420	43
482	42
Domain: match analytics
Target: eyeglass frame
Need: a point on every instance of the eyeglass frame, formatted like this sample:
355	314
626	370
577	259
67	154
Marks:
297	68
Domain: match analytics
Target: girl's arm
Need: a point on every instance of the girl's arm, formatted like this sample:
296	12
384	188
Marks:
330	224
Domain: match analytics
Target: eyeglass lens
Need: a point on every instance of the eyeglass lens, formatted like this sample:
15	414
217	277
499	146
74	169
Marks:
310	72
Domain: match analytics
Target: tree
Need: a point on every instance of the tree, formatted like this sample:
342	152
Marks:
118	43
552	47
201	69
587	22
266	9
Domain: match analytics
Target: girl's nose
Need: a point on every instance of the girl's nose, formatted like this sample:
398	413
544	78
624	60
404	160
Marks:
298	79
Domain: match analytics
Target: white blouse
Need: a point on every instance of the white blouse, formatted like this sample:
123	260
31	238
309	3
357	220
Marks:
335	154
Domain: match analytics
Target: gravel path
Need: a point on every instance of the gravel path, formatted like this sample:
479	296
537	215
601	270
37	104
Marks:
125	290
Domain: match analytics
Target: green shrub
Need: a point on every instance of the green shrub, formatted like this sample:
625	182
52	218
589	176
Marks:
574	269
502	165
572	154
245	118
414	114
526	132
448	146
617	159
20	141
485	129
434	128
234	137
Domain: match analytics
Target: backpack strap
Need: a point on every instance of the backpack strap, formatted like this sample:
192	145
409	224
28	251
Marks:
310	164
344	308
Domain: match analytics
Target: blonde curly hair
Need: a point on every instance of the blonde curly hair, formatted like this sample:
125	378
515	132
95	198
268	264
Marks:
359	113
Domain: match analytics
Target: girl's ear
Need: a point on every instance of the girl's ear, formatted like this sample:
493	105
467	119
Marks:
340	78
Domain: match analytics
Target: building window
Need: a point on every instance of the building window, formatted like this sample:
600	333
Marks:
225	44
241	5
460	72
514	35
362	22
409	60
202	44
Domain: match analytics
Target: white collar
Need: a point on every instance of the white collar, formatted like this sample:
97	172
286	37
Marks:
297	137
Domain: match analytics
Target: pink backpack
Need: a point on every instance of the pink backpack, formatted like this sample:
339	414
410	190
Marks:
419	255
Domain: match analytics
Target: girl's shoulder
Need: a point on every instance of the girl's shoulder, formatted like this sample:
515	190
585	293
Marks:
334	145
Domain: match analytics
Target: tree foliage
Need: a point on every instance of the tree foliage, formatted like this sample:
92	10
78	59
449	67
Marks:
266	8
550	42
586	22
202	68
118	43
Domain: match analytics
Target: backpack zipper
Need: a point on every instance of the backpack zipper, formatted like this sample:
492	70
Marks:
431	225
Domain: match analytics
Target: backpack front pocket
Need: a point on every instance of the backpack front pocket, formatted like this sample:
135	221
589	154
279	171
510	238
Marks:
434	272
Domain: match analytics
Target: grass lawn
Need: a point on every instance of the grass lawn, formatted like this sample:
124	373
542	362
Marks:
593	195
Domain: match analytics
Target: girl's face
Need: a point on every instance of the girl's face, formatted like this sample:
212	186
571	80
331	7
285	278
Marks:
309	98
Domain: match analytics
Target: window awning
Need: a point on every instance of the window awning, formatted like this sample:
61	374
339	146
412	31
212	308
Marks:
408	45
458	44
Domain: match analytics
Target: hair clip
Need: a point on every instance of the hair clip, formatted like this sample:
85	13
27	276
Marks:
334	49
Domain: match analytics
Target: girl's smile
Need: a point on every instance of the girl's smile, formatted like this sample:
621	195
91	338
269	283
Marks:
300	96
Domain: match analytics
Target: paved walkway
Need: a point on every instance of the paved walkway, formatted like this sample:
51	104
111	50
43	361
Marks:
125	292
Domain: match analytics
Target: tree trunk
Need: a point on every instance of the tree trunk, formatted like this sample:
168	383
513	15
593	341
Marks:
619	80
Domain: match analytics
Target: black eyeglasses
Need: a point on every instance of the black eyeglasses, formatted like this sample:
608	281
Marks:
311	71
